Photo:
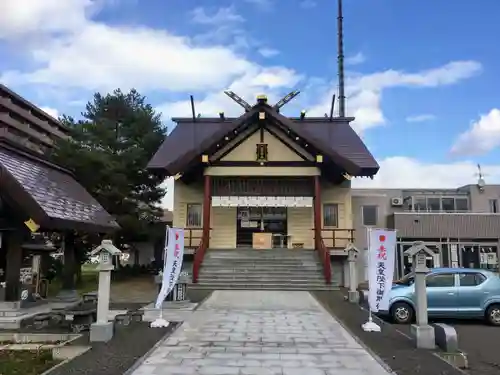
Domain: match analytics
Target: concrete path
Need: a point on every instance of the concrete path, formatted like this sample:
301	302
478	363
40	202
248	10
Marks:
260	333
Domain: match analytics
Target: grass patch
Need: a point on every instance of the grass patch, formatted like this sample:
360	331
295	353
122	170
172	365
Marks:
25	362
90	281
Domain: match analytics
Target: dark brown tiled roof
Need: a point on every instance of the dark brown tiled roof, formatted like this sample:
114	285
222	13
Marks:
49	194
168	216
335	139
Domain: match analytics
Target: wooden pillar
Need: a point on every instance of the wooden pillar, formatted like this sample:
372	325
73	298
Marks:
3	255
207	203
14	259
68	289
317	211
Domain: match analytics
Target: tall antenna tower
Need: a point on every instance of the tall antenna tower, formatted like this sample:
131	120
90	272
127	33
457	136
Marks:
340	35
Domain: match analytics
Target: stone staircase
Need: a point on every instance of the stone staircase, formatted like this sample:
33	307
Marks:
273	269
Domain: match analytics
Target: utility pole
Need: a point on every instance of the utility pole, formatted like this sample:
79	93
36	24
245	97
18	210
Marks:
340	35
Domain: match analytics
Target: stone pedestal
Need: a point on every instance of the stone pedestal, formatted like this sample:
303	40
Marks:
68	296
101	332
353	296
424	336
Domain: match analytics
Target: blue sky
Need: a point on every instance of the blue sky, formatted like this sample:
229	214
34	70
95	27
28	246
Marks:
421	74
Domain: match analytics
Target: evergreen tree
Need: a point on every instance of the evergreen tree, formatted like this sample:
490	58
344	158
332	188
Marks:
108	151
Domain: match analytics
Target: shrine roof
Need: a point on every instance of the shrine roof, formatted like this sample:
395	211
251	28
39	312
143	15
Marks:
334	138
49	194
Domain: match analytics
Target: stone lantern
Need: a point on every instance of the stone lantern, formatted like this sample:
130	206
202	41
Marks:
102	330
352	256
423	332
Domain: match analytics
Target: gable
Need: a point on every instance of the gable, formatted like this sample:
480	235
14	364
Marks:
277	150
192	138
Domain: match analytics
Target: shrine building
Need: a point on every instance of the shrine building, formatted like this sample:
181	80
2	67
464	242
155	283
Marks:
264	181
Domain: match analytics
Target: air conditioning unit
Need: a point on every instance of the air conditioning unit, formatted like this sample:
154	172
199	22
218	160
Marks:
396	202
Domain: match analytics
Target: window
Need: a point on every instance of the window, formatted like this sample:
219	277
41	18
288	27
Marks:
441	280
193	217
448	204
471	279
434	204
493	206
461	204
330	215
370	214
420	203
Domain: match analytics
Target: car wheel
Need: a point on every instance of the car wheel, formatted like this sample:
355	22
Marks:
402	313
493	315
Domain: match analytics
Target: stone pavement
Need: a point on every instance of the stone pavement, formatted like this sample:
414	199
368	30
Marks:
260	333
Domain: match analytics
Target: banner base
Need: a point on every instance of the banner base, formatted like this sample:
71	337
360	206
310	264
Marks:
370	326
159	323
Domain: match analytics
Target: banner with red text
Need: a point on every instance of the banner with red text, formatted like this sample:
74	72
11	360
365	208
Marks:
381	261
174	253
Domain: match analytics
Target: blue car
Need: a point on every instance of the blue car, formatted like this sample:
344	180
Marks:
460	293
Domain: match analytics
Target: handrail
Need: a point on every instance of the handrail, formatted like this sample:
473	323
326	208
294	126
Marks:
198	259
324	256
199	254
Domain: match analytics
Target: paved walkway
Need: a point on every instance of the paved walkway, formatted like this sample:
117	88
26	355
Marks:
260	333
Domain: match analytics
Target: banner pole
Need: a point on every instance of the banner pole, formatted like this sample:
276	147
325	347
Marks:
370	326
369	235
164	264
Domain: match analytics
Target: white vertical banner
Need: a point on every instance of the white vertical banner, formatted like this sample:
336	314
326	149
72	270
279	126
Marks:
381	258
174	253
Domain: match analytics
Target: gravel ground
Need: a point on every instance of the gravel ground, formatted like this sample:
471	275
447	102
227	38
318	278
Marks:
129	343
479	341
390	345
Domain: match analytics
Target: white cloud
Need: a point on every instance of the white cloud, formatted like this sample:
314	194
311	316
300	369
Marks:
168	199
272	81
482	136
404	172
222	15
308	4
51	111
268	52
420	118
100	57
262	4
364	92
18	19
356	59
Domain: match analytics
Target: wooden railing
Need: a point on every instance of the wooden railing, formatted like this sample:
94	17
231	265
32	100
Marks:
328	239
192	237
337	238
324	256
199	255
198	259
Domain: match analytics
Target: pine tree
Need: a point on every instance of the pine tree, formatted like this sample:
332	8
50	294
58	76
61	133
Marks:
108	152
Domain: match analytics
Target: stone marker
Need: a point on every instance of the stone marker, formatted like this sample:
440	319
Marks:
422	331
352	256
446	337
102	329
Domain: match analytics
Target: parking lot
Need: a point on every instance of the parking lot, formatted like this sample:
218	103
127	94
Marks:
478	340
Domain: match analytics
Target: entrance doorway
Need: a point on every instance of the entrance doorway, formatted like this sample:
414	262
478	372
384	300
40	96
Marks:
272	220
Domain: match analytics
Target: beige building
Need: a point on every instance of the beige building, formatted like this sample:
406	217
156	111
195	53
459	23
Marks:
264	181
461	226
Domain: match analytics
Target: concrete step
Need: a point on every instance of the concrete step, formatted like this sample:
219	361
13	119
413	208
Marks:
264	266
257	253
256	275
252	276
237	281
261	260
261	287
269	282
